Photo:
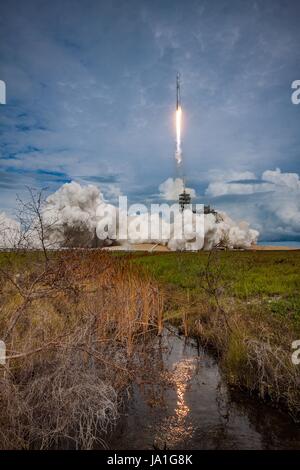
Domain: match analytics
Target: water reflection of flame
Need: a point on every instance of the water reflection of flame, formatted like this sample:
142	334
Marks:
183	376
176	428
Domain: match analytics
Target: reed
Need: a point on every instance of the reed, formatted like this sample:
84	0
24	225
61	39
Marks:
72	331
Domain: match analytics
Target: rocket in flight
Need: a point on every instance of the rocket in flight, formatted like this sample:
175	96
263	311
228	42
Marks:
177	91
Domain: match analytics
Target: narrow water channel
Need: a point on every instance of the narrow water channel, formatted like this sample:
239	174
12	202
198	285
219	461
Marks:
191	407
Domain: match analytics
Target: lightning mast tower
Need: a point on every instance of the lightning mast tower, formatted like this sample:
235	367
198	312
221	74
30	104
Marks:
184	197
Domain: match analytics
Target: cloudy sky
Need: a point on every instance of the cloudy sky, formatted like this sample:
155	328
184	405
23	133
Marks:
91	95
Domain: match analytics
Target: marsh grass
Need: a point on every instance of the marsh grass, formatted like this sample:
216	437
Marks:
245	306
73	334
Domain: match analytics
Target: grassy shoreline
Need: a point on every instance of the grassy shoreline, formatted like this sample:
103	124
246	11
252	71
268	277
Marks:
244	305
77	330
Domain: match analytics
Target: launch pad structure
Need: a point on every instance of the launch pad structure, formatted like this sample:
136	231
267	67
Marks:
184	200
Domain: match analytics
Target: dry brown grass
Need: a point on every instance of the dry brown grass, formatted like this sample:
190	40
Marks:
254	349
73	330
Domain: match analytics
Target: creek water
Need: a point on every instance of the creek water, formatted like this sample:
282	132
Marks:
181	401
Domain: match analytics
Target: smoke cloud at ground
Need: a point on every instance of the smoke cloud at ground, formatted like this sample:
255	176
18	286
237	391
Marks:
9	231
78	216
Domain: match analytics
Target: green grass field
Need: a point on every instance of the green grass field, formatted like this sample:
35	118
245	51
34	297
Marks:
271	278
243	304
246	306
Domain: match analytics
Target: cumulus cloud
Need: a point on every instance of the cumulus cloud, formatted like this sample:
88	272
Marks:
234	182
221	188
230	175
171	188
271	203
279	179
270	181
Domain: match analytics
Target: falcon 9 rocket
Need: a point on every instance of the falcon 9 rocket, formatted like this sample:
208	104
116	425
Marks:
178	152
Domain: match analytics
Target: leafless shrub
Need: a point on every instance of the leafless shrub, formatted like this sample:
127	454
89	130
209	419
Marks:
273	374
253	347
72	321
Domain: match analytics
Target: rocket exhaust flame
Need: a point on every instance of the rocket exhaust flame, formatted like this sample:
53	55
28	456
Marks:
79	216
178	153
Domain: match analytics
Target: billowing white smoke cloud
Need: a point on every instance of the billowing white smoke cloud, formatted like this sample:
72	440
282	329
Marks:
217	231
171	188
73	205
192	229
9	232
145	228
71	215
79	216
232	234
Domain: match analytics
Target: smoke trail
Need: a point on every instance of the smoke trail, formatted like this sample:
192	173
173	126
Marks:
178	153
